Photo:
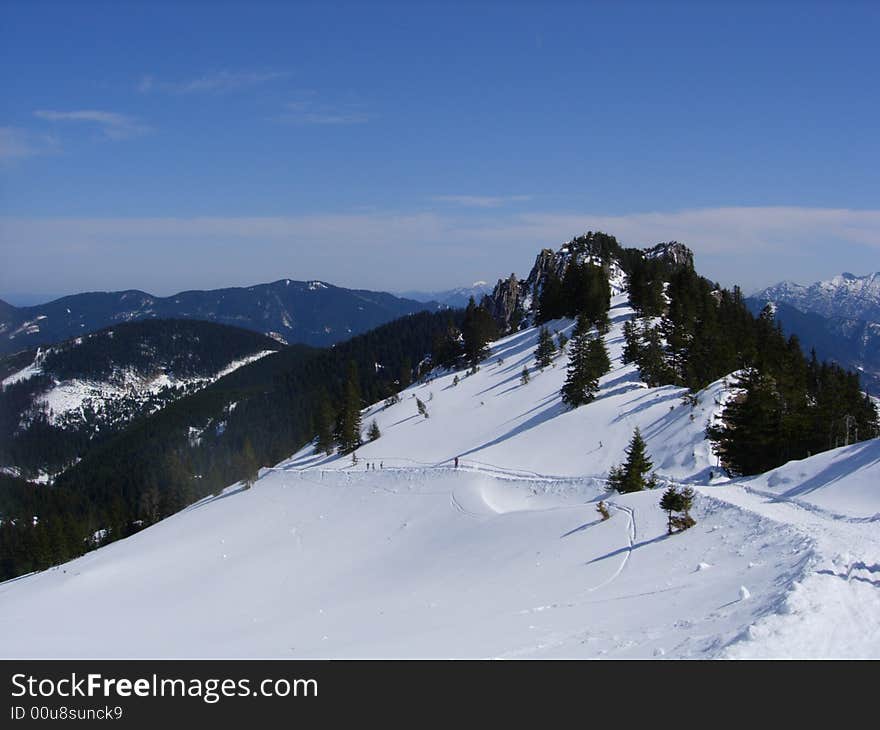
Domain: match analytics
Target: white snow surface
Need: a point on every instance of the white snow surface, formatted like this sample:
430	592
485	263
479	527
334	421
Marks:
505	556
73	395
25	373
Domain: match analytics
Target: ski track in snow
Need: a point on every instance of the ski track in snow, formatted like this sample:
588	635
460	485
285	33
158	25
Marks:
631	535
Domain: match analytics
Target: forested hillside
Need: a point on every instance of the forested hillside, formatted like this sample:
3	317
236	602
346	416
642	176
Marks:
255	416
57	403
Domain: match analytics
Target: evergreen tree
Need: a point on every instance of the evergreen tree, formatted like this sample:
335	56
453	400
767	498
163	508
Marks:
324	443
674	501
749	439
588	361
446	348
249	464
373	432
632	342
477	330
546	349
670	502
630	476
598	362
348	422
423	409
652	359
550	300
405	378
150	504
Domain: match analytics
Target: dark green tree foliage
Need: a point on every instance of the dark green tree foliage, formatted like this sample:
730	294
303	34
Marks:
250	466
645	286
546	350
551	302
59	534
598	361
478	329
652	361
681	502
588	361
348	422
584	290
324	423
184	347
447	347
631	341
785	414
405	378
630	476
373	433
670	503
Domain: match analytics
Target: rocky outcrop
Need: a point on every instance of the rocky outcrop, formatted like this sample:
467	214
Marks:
506	302
511	301
676	254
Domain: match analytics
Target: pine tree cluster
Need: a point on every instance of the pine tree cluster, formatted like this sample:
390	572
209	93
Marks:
587	362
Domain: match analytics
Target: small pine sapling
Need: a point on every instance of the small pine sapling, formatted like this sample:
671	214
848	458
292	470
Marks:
677	506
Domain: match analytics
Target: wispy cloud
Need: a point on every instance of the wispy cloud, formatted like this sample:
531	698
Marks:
480	201
752	246
17	144
218	82
721	230
313	112
113	125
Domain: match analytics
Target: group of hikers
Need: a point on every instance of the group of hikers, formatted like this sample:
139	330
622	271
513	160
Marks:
371	465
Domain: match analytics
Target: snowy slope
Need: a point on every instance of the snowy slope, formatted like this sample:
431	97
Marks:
504	557
491	419
414	564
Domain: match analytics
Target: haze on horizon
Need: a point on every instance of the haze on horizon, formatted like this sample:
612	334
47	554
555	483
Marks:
422	148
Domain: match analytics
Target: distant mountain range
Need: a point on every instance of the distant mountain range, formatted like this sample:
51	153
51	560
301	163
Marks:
839	317
309	312
58	402
452	298
847	296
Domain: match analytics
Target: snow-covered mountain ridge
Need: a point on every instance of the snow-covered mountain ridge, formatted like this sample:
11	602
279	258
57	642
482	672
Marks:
839	318
846	295
60	400
400	554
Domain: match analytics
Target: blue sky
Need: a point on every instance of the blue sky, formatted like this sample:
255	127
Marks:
397	146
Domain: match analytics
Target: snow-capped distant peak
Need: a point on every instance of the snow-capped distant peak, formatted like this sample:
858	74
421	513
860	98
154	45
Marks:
845	295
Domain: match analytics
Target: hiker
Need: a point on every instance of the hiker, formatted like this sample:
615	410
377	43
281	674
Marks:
456	462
